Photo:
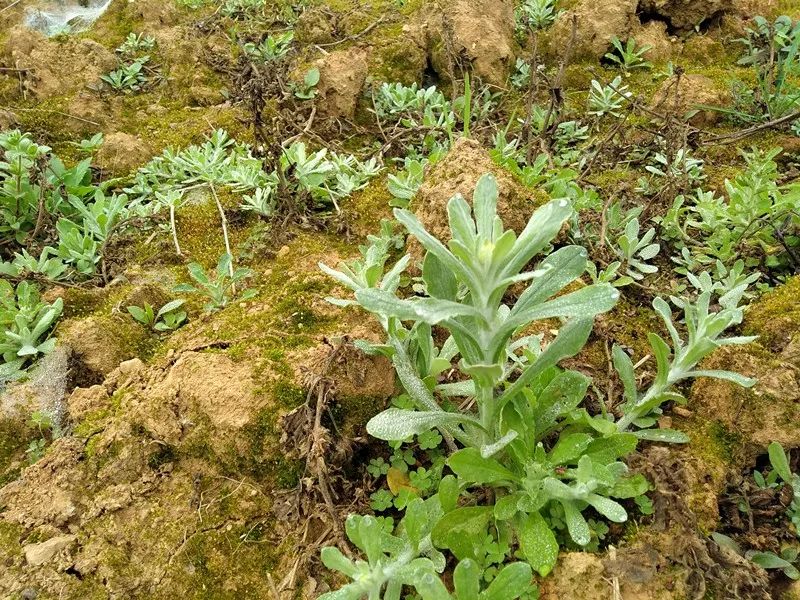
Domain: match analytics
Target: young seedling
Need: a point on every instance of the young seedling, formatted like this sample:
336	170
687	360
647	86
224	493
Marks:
219	287
168	318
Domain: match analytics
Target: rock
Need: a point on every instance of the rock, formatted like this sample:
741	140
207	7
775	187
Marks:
480	31
213	384
703	50
747	420
694	90
100	344
57	68
121	153
38	554
662	45
8	119
594	28
314	26
577	576
124	374
84	401
458	173
685	15
342	76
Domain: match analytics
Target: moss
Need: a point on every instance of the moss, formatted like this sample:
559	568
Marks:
10	535
287	395
15	435
727	443
775	318
208	568
353	412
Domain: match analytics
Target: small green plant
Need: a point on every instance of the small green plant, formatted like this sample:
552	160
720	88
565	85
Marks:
681	167
135	44
219	287
634	252
773	50
787	561
307	89
404	186
756	221
608	99
678	362
90	145
48	265
44	423
628	56
536	14
780	466
521	76
129	77
26	323
168	318
262	201
272	47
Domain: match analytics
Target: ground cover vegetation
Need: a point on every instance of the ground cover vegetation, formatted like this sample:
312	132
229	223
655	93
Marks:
554	255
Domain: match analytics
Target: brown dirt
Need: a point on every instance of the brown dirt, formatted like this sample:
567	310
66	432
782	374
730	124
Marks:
458	173
342	77
121	153
594	28
476	32
693	90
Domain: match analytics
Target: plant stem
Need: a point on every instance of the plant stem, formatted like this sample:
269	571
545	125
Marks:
224	233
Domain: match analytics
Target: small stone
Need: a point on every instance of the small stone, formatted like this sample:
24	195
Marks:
38	554
283	251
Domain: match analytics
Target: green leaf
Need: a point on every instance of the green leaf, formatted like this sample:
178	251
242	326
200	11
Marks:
585	302
630	487
459	529
509	583
170	306
448	493
431	587
570	340
466	579
336	561
611	510
439	280
727	376
608	449
624	366
768	560
779	461
484	205
138	313
312	77
569	448
560	268
396	424
576	525
538	543
469	465
429	310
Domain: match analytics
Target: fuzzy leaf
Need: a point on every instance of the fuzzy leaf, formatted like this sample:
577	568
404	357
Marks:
396	424
468	464
538	543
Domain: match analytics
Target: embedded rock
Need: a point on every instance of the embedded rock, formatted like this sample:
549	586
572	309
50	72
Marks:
694	92
480	31
342	76
38	554
594	29
121	153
